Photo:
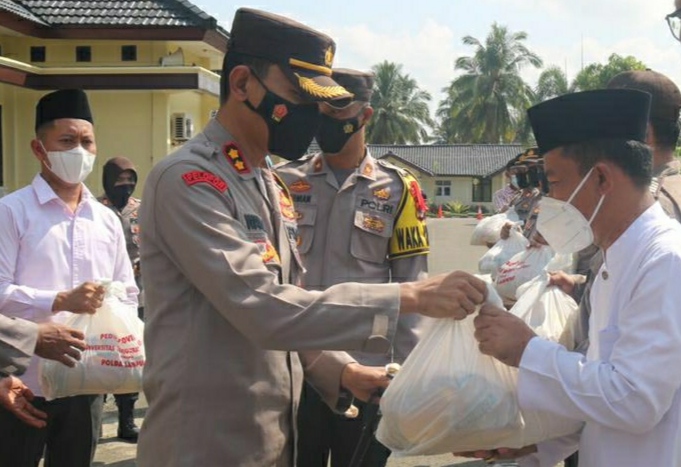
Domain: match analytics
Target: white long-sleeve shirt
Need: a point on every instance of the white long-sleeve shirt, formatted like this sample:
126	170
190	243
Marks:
627	388
45	248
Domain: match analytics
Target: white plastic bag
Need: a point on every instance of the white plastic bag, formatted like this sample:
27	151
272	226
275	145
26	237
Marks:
449	397
547	309
502	251
520	269
114	359
488	229
448	394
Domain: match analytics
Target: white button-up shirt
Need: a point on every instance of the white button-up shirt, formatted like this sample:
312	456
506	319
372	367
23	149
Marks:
627	388
45	248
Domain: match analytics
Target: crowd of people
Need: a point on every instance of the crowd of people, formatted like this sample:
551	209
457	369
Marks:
274	297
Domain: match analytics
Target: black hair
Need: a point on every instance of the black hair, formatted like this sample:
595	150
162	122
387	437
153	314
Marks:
42	129
666	132
633	157
233	59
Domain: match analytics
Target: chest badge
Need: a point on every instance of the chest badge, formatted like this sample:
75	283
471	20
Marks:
300	186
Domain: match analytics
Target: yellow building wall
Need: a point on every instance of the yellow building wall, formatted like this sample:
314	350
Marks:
461	189
60	52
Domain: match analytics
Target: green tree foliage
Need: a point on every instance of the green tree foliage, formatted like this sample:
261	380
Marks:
401	113
486	104
597	75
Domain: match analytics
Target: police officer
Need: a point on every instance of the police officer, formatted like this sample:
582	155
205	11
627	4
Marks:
527	170
119	179
359	219
228	332
663	132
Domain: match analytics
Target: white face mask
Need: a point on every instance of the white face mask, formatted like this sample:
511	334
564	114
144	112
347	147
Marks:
72	166
564	228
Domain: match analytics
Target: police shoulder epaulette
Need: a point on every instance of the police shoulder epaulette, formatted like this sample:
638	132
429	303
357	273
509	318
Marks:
205	148
390	166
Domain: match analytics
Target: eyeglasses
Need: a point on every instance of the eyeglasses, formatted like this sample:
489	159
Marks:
674	23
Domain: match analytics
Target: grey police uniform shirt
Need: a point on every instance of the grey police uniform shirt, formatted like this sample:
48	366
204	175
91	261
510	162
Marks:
129	217
18	338
226	329
344	234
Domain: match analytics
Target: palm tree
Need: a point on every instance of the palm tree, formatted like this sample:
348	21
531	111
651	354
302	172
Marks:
488	101
551	83
401	113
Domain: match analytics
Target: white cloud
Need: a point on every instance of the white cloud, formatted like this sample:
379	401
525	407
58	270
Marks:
428	55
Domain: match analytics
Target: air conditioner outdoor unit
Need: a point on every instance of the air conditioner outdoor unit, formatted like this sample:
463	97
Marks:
213	113
181	127
174	59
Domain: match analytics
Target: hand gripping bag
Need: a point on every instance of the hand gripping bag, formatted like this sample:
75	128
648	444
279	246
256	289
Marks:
448	397
488	229
114	359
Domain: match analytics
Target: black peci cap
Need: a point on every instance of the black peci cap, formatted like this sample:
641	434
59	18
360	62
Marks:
303	54
66	103
590	115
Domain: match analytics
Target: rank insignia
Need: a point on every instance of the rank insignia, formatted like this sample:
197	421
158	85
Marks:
197	176
300	186
368	170
279	112
233	155
373	224
348	128
382	193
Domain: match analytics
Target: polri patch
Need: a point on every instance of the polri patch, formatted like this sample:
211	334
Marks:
198	176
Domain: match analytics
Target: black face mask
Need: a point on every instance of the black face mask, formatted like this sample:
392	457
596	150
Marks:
291	126
533	176
334	134
119	195
522	180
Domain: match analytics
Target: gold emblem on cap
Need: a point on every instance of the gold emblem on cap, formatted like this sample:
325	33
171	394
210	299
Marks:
348	128
328	56
317	90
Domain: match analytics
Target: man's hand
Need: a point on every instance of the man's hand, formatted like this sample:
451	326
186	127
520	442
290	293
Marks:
60	343
362	381
506	231
538	241
15	397
454	295
499	454
85	298
565	282
502	335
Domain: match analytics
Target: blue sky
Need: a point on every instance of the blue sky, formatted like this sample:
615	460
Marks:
425	36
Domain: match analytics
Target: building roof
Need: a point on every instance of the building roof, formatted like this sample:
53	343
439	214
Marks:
448	160
103	13
19	10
